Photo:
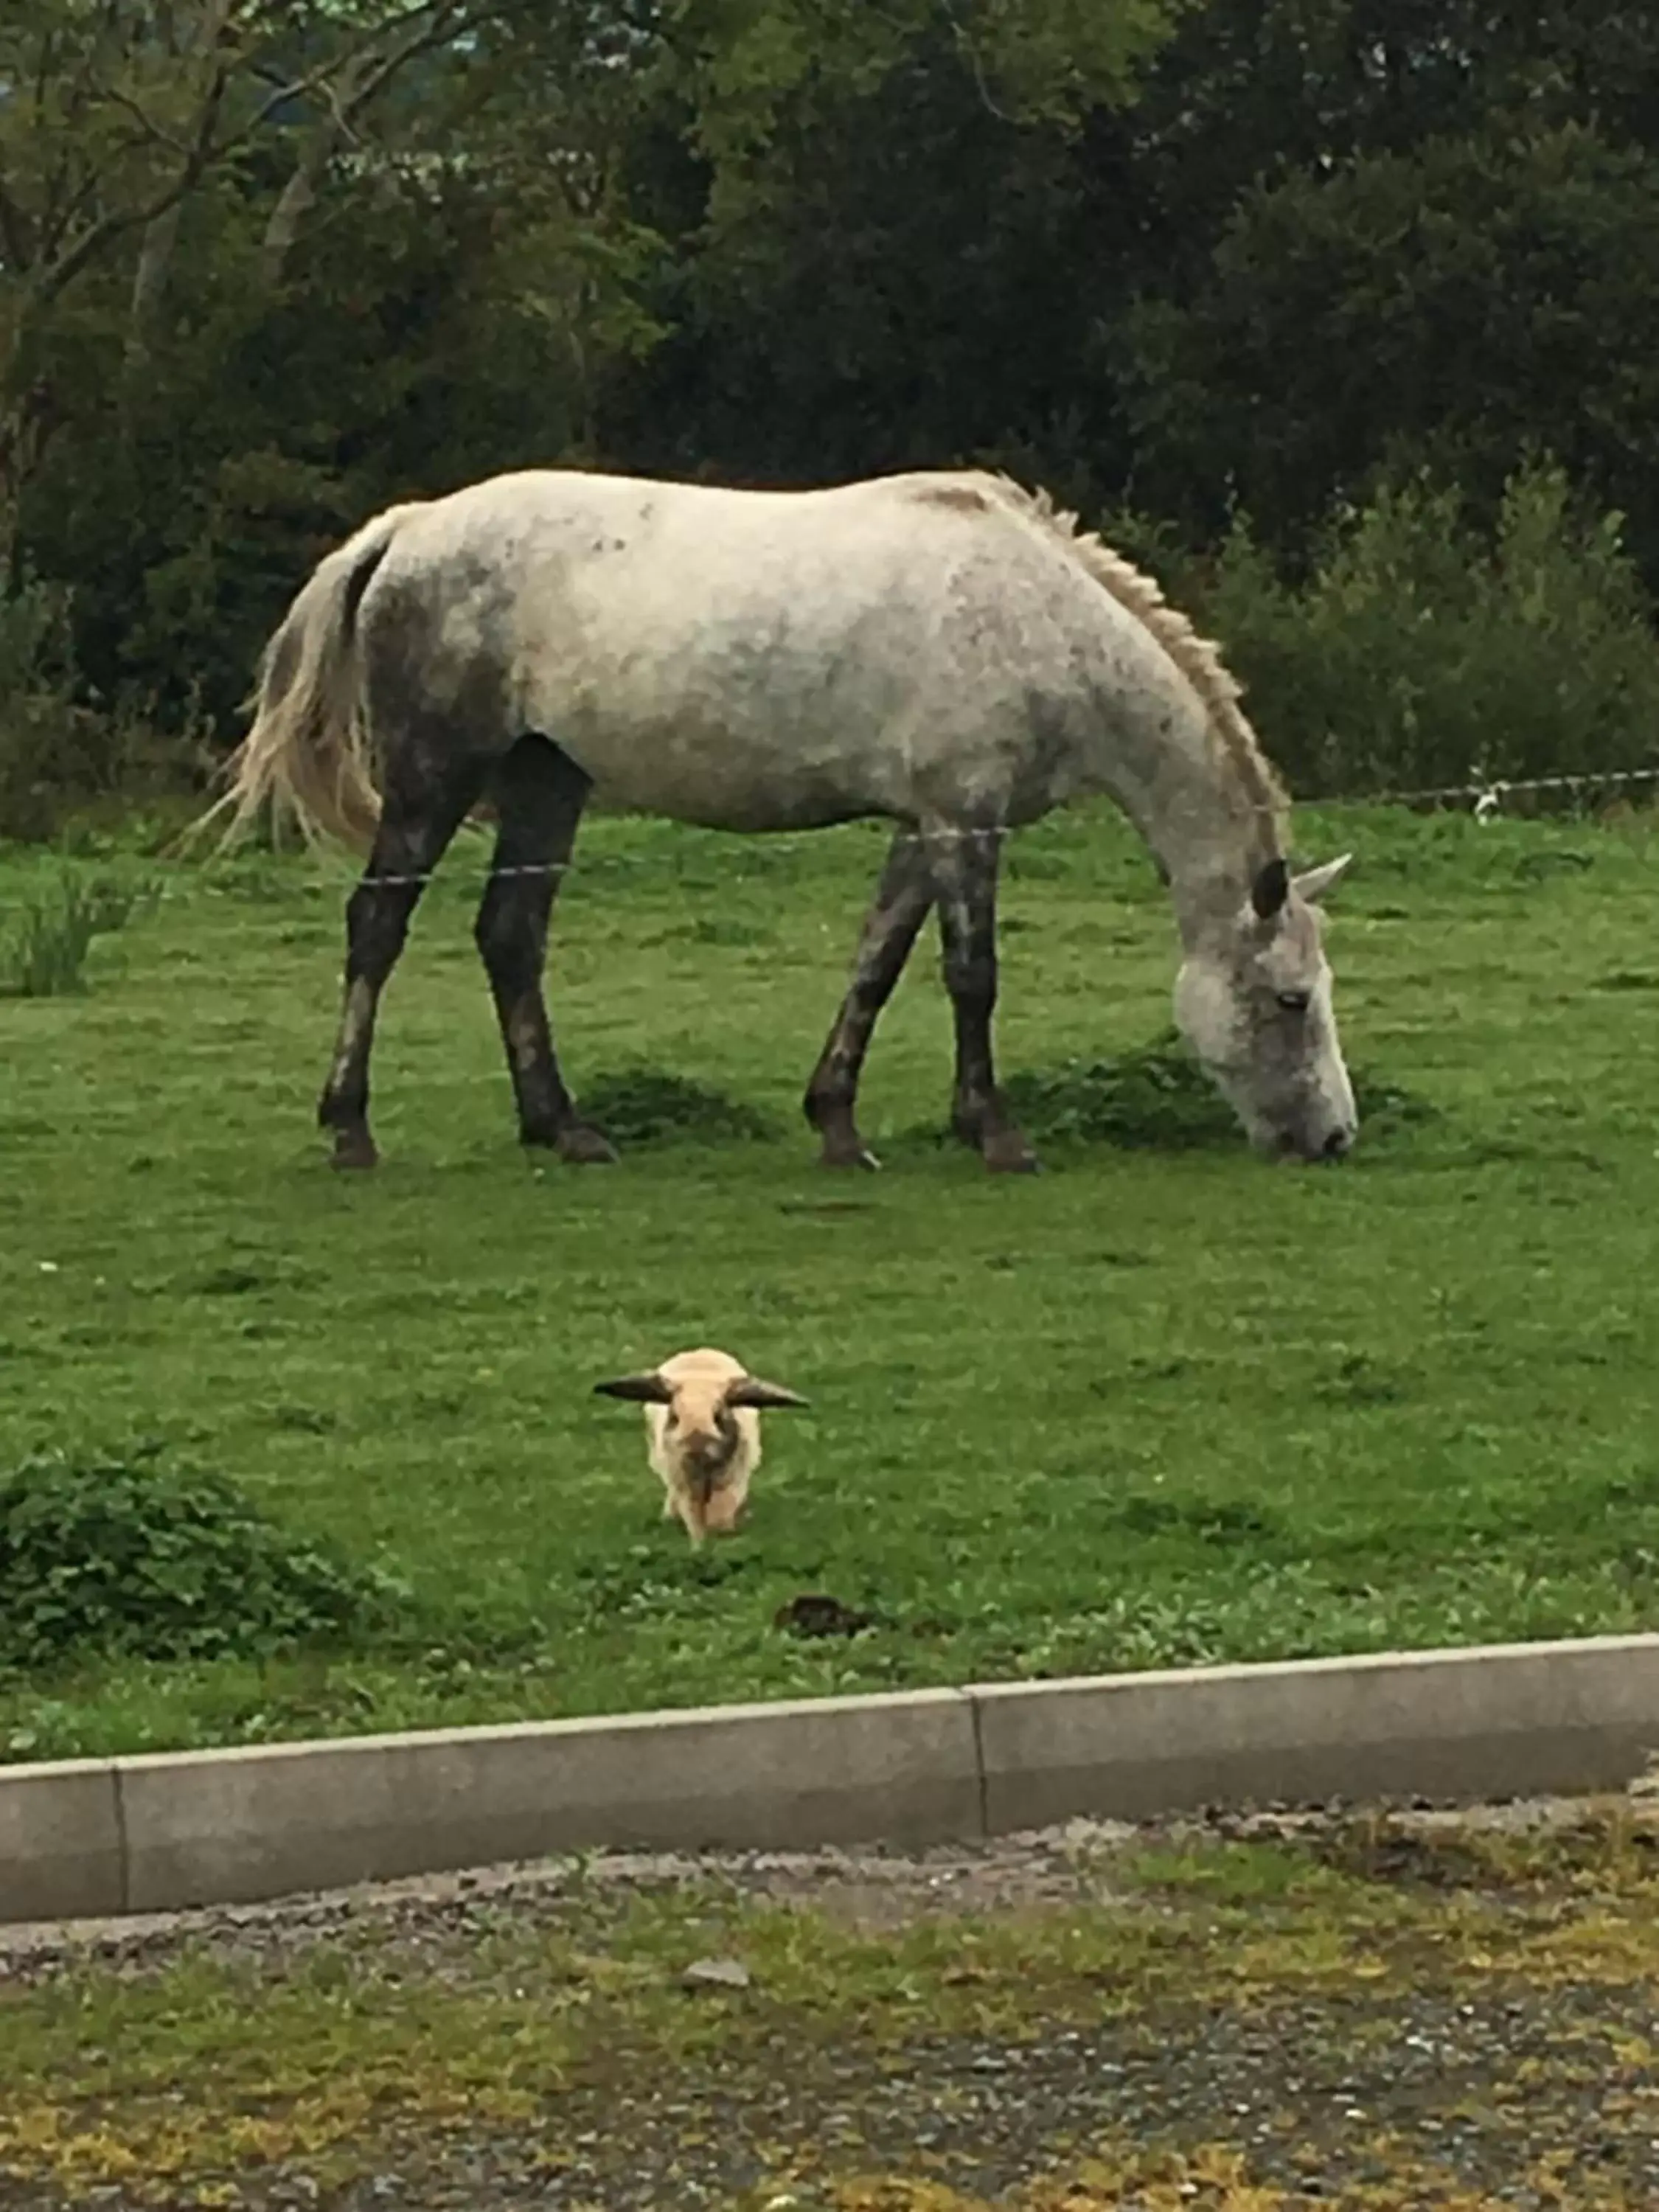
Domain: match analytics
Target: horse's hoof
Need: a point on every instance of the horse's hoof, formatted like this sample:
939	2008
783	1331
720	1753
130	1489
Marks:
1008	1153
584	1146
853	1155
355	1149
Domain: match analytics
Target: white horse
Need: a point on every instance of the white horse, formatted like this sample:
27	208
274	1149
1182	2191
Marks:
942	649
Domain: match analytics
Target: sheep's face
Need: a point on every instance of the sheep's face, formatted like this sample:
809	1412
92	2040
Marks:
700	1408
700	1429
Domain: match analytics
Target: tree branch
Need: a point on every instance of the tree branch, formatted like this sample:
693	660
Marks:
151	128
62	257
347	99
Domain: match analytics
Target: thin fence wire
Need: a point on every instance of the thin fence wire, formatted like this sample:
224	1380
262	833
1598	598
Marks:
1482	796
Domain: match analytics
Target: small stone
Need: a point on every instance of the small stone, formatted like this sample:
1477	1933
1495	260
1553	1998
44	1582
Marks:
716	1974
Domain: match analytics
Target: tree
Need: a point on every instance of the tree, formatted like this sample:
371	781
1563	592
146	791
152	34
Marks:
884	251
114	117
1455	304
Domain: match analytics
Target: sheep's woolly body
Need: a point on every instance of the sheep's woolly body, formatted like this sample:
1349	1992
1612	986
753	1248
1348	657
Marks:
702	1412
706	1501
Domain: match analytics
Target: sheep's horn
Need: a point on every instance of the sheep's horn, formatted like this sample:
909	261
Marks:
643	1389
751	1391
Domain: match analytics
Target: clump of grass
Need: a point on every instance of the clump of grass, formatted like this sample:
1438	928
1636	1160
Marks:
1157	1098
43	954
118	1557
645	1105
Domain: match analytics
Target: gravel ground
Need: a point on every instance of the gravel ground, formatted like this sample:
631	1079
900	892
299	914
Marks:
1509	2090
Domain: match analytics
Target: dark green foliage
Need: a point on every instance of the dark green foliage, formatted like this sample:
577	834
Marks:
1241	269
1449	306
1420	648
104	1557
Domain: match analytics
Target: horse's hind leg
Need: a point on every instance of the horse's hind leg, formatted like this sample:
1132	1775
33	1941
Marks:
539	793
903	898
963	864
413	833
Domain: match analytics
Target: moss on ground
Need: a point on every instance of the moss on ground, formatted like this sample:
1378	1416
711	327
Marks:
502	2034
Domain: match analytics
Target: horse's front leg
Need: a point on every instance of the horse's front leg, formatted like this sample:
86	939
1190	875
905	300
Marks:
963	865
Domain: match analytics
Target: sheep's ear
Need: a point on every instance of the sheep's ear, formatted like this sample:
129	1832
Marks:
751	1391
643	1389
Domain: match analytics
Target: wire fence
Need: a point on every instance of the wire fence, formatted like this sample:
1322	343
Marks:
1486	798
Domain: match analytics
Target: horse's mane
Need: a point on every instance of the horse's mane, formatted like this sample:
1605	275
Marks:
1198	659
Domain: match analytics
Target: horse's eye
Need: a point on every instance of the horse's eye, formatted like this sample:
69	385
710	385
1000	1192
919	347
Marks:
1295	1002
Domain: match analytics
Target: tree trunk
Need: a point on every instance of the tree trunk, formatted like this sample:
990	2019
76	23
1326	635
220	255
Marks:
149	280
297	198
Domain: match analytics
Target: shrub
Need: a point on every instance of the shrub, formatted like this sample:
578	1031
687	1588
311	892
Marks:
1417	650
118	1557
58	749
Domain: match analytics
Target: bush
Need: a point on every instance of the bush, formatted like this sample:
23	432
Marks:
1417	650
55	749
116	1557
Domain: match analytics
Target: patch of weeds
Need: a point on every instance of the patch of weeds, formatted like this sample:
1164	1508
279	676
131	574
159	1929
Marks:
1358	1381
1225	1520
303	1420
1385	1107
726	929
1552	860
1627	979
1597	1852
43	954
1241	1874
119	1557
646	1583
646	1105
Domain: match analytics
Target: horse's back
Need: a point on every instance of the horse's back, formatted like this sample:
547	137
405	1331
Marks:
744	657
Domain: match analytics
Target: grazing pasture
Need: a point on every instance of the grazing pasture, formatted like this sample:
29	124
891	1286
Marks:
1164	1403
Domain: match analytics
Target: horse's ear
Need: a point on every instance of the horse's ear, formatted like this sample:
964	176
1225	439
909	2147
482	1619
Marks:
643	1389
1313	883
751	1391
1270	890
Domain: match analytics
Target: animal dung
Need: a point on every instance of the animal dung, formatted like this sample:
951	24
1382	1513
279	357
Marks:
702	1412
814	1614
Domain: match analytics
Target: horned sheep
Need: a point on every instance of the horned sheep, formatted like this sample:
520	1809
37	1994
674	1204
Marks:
702	1412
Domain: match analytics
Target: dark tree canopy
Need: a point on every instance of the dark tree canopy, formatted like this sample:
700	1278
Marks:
268	265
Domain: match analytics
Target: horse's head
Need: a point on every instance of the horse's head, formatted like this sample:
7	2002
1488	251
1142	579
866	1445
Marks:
1254	1000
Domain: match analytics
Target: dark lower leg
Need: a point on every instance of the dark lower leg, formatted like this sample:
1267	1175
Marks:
539	795
964	868
410	844
903	898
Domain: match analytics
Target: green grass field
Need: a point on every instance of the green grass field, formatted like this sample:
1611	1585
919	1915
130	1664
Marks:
1166	1403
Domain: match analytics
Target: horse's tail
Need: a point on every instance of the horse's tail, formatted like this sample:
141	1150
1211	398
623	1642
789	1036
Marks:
308	753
